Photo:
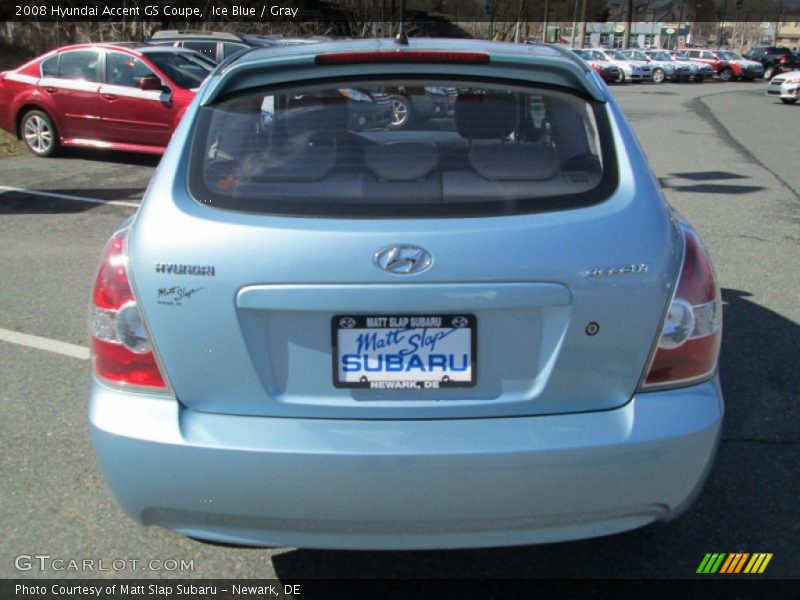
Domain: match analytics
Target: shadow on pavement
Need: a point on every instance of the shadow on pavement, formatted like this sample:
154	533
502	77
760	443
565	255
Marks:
707	175
109	156
668	182
760	369
748	504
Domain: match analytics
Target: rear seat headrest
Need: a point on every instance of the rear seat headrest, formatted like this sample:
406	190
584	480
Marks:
402	161
326	116
486	116
514	162
296	162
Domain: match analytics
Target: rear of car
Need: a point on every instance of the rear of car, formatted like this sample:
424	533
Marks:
488	330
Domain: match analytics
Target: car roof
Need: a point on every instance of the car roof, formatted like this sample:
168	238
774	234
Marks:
131	47
153	49
252	39
558	65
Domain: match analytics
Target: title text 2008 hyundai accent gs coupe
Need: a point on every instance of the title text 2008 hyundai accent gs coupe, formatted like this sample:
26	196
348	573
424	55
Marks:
488	329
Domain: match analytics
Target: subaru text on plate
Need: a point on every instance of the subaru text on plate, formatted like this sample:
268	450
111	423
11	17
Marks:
487	329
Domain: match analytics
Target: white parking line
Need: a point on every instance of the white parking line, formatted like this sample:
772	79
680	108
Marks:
6	188
34	341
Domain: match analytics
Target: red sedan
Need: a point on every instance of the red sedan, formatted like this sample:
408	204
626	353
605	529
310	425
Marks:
111	96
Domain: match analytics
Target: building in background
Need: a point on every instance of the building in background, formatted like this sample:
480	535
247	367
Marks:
789	32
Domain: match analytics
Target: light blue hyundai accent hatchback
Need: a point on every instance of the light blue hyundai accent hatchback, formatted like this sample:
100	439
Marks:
484	329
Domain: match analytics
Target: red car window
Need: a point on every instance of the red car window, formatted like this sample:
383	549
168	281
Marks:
126	70
79	64
50	66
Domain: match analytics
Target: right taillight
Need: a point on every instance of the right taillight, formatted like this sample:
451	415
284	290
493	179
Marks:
688	346
122	352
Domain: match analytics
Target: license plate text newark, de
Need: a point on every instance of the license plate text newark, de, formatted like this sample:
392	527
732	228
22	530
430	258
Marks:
404	351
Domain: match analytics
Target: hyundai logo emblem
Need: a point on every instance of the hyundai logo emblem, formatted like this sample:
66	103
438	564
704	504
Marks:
403	259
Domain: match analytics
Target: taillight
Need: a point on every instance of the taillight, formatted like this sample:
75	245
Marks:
782	60
401	56
688	346
122	352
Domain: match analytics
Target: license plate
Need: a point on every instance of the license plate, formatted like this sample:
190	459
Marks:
413	352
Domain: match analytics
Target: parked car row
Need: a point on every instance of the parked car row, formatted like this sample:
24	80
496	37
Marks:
697	65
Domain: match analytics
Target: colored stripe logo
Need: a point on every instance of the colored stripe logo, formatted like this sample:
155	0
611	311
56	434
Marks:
733	563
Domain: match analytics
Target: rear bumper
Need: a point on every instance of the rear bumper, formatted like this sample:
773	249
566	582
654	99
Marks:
406	484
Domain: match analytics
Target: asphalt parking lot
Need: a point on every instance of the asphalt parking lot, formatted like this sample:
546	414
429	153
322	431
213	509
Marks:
727	157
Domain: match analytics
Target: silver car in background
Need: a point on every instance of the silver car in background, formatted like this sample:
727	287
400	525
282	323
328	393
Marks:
700	71
785	86
631	70
663	67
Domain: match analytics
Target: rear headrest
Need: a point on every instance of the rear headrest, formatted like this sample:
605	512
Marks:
514	162
297	161
402	161
486	116
327	116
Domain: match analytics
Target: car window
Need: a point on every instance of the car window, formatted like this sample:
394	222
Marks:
229	49
207	48
708	55
79	64
126	70
50	66
495	149
182	68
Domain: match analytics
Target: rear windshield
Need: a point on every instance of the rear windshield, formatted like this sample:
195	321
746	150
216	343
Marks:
408	148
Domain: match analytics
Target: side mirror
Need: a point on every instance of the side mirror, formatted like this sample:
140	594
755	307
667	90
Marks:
151	83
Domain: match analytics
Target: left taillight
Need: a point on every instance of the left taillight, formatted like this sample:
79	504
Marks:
122	351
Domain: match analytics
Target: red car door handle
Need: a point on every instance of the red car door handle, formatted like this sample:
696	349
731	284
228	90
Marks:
50	89
110	97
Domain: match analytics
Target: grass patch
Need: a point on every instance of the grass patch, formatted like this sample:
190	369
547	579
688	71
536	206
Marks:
10	145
